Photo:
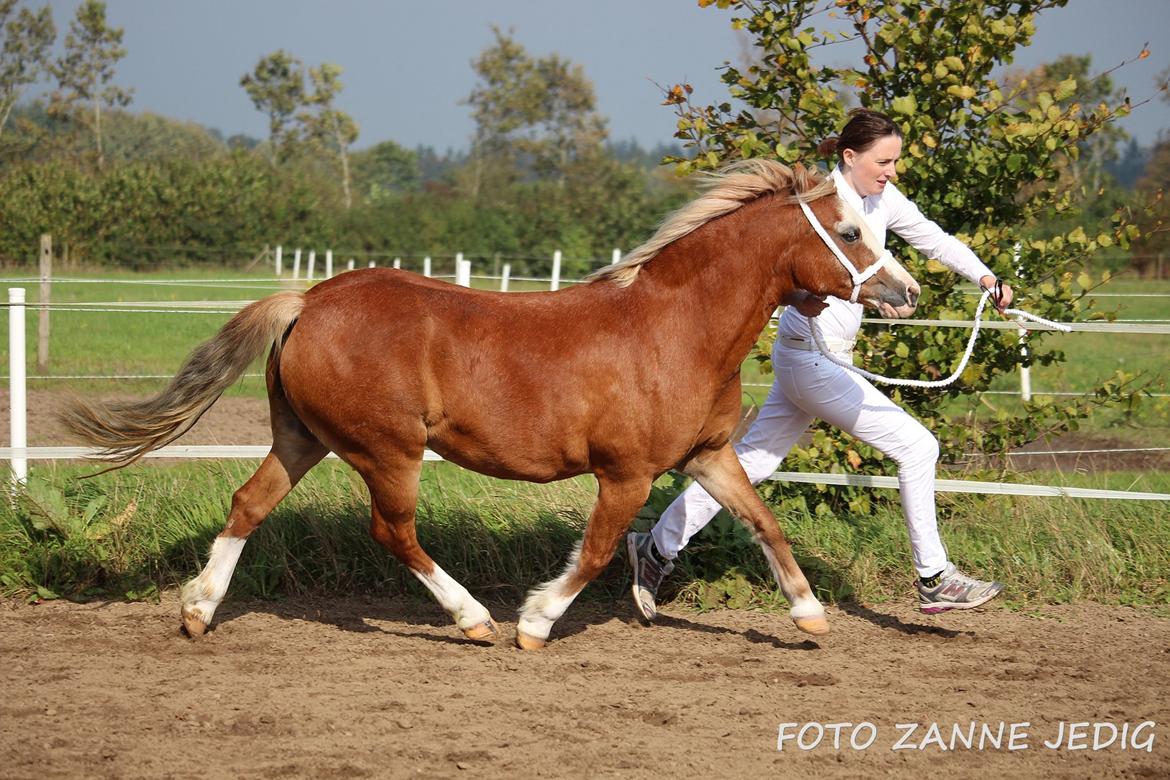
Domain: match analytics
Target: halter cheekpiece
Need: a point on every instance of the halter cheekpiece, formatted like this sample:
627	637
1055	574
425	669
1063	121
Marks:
859	277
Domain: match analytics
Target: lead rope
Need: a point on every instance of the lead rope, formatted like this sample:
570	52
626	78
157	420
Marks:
820	342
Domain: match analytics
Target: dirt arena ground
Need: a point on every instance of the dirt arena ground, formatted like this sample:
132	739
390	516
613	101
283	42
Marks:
363	688
359	687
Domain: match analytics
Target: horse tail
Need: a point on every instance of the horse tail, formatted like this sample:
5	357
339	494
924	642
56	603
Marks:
127	430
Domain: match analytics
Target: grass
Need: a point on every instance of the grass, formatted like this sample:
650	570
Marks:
131	533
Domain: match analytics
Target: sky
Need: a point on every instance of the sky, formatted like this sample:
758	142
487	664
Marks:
407	65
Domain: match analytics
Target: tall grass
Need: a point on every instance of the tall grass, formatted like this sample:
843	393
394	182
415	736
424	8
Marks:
132	533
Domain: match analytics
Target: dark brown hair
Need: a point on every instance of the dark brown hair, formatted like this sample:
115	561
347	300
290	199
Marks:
864	127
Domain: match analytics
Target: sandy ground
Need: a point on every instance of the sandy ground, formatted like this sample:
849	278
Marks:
359	687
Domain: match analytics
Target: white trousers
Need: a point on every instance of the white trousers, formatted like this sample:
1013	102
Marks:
808	386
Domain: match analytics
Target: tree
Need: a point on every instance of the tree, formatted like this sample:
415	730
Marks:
325	124
983	160
532	115
1129	165
277	88
385	168
1151	189
1091	92
84	72
24	55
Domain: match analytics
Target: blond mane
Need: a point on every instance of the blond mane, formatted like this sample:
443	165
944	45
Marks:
724	191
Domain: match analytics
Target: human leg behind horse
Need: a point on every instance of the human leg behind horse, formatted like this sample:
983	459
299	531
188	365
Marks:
853	404
849	402
808	386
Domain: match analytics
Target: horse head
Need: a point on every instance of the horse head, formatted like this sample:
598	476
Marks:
851	263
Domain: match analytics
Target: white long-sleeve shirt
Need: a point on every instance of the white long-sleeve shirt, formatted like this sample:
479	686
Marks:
888	210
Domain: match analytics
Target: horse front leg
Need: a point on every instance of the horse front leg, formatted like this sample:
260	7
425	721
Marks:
721	475
617	502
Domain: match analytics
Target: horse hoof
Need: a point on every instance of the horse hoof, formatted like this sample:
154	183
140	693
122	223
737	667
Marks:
192	624
487	631
816	625
528	642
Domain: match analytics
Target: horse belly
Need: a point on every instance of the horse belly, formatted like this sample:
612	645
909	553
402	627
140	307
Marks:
509	446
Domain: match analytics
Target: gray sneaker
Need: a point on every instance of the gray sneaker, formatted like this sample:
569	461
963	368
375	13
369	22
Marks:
955	590
648	572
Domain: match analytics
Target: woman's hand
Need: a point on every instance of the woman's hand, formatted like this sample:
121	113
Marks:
1005	299
805	302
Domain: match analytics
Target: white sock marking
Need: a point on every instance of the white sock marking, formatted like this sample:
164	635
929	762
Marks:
454	598
546	603
202	595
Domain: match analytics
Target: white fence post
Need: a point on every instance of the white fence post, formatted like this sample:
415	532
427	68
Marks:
279	262
426	266
312	262
462	271
349	265
373	264
17	398
398	262
297	265
617	257
1025	370
328	263
556	274
504	277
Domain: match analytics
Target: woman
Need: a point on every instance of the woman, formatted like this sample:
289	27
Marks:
808	386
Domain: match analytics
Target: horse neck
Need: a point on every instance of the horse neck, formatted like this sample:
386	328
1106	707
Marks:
723	281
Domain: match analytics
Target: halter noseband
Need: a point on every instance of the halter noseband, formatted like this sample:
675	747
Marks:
859	277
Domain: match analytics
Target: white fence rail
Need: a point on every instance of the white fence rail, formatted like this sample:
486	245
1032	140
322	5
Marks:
19	453
256	452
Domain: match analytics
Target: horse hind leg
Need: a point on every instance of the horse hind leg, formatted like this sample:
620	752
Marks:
294	451
617	502
393	501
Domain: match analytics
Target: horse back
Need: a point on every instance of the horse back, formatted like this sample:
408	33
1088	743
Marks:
536	386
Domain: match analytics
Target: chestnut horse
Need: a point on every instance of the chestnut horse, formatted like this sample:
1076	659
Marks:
629	375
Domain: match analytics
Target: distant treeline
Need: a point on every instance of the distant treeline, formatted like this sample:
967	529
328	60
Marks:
175	193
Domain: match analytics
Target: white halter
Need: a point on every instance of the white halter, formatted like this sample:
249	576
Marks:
859	277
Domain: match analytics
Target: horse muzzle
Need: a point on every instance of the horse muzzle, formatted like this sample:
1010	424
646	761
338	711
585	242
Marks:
893	297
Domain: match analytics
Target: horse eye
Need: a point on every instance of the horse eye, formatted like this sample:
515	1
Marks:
851	235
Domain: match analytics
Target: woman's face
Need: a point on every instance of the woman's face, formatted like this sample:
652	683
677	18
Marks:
867	172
